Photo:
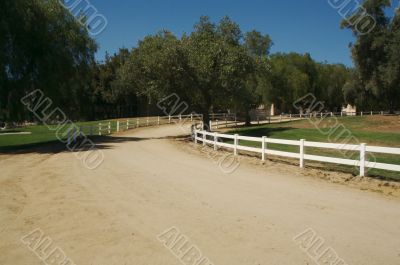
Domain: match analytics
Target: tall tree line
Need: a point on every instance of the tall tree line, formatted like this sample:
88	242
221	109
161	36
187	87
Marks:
216	67
375	82
43	47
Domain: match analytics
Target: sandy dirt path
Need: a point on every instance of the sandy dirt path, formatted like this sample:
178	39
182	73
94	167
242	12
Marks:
148	184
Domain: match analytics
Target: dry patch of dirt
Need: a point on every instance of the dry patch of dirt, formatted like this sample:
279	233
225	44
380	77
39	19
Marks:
383	124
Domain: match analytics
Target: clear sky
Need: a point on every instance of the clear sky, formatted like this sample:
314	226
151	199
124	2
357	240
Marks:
295	25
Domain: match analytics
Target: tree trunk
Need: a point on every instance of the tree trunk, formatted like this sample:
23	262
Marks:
391	107
206	120
248	118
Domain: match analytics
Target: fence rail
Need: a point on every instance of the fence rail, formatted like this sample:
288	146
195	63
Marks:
116	126
213	139
222	120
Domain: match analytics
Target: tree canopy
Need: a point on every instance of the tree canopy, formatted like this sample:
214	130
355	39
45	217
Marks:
376	57
42	46
215	67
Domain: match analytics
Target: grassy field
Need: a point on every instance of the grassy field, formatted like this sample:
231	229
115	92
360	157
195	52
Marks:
40	134
372	130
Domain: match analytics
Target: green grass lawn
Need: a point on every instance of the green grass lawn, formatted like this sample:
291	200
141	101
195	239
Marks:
40	134
369	130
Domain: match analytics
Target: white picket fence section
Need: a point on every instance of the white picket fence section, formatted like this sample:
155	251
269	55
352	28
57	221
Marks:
222	120
213	139
116	126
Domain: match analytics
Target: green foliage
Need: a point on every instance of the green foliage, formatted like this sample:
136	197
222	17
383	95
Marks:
42	46
216	68
376	56
208	68
258	44
294	75
109	98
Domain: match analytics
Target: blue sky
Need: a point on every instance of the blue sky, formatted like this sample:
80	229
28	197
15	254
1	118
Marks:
295	25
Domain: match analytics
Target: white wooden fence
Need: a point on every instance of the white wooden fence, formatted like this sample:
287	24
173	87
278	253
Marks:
221	120
115	126
213	139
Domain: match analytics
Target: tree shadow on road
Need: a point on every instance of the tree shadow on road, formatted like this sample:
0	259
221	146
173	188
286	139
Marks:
54	147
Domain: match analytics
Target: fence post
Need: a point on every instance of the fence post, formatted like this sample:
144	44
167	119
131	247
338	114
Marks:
180	117
302	153
258	120
147	121
217	125
341	114
169	119
127	124
263	146
331	114
158	120
362	159
290	116
117	126
371	112
236	142
210	125
99	129
191	117
215	141
382	113
361	113
109	127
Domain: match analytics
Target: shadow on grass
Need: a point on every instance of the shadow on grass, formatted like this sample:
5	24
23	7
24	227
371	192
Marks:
257	131
55	146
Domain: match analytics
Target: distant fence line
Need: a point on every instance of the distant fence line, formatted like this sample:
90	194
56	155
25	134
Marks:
221	120
212	138
120	125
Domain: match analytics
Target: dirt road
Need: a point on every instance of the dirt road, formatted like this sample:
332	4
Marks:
148	183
